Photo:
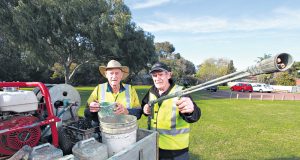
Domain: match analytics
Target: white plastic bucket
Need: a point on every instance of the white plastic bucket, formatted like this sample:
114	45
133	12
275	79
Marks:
118	132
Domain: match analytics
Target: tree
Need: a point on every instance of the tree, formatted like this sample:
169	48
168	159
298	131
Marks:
182	70
62	36
295	70
231	67
67	32
284	78
213	68
34	69
177	56
163	49
10	61
180	67
265	78
88	75
137	49
10	55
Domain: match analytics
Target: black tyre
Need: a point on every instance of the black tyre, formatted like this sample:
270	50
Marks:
65	141
243	90
261	91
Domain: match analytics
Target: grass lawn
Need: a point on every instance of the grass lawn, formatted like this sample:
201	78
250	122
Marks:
239	129
223	88
242	129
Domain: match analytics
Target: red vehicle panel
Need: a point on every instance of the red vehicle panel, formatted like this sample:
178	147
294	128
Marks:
242	87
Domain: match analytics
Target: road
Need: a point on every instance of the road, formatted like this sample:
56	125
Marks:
252	95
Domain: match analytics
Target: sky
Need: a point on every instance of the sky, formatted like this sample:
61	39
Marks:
238	30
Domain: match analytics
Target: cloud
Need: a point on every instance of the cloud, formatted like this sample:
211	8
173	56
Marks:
281	18
148	4
175	24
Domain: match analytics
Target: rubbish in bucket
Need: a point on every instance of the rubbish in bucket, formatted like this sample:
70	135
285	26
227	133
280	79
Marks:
107	109
118	132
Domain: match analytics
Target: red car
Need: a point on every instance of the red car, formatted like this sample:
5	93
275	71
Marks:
242	87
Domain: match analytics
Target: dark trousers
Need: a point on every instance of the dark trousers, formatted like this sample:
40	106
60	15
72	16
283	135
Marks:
172	156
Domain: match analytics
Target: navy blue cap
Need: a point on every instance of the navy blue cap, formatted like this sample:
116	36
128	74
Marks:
159	66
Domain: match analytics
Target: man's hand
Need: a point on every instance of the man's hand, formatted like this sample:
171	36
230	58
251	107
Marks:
120	109
147	109
185	105
94	106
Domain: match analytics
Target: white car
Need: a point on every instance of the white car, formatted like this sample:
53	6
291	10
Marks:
261	87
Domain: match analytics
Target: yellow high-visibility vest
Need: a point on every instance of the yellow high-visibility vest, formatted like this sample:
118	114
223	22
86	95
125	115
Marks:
173	130
128	98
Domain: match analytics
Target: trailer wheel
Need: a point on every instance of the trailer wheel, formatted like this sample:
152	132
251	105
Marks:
65	141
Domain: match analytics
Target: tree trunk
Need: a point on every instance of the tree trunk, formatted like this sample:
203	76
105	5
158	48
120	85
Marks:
67	74
75	69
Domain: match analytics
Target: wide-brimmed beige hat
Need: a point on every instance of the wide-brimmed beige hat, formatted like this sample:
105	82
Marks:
114	64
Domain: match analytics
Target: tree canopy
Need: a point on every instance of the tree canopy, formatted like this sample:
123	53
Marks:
284	78
295	70
180	67
64	35
213	68
164	47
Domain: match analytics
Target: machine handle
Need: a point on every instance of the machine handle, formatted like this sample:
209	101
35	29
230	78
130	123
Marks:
41	146
81	143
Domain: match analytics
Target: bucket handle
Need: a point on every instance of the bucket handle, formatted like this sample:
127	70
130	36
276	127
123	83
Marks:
86	141
41	146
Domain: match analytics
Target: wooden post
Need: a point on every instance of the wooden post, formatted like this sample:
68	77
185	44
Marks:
250	96
261	97
230	95
237	96
273	97
282	97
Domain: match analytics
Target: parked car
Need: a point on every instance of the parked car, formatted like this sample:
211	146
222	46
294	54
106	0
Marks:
242	87
212	88
261	87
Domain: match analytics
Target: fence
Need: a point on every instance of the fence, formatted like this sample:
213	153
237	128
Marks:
265	96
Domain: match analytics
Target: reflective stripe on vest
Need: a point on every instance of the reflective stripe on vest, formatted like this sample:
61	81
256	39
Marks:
127	95
103	90
173	119
103	87
172	132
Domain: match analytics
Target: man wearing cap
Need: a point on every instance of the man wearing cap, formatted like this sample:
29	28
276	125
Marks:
171	117
113	91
